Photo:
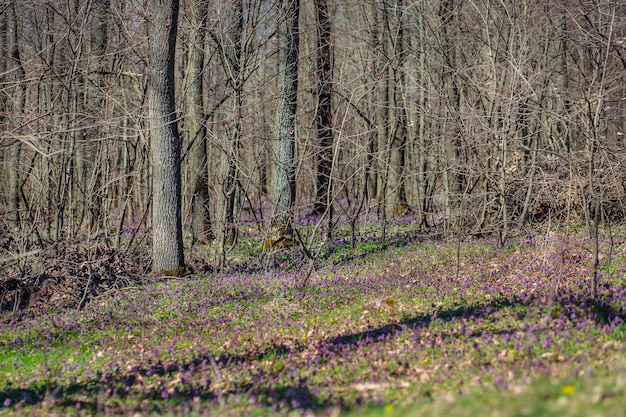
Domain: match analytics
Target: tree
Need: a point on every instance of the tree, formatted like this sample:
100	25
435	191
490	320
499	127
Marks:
394	193
284	129
391	113
230	48
324	108
195	122
17	74
167	238
88	154
474	115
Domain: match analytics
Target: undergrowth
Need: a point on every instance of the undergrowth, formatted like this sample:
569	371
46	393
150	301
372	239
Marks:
413	326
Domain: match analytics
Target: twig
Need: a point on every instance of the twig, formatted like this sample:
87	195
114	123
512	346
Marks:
80	304
115	290
216	369
20	256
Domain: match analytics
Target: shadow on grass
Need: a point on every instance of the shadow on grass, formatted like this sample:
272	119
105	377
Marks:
602	312
119	394
422	321
270	389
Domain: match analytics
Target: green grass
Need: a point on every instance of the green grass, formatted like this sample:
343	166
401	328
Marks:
592	396
379	330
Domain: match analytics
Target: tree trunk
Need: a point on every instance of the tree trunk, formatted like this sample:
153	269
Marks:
324	107
100	12
167	239
382	94
392	136
395	196
417	41
283	131
196	126
17	101
230	47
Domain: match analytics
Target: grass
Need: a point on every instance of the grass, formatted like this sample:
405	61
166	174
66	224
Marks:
406	328
593	395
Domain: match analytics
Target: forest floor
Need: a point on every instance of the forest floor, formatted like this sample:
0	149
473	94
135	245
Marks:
413	326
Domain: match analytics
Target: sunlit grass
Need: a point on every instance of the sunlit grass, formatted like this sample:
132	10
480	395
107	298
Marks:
593	395
408	329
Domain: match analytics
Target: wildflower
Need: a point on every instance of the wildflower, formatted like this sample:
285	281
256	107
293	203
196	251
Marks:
389	408
568	390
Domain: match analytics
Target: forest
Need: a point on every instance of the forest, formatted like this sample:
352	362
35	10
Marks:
312	207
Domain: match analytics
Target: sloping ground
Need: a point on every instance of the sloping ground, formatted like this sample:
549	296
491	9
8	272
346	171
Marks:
418	325
70	277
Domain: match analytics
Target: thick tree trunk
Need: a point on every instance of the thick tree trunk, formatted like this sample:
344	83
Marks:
283	132
167	239
324	108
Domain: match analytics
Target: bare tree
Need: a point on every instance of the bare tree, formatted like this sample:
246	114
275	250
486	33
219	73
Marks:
394	187
17	100
284	128
230	48
167	239
89	165
195	121
461	112
324	109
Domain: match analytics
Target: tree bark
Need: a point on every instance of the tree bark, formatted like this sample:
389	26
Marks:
395	196
324	107
167	239
283	132
230	47
196	126
392	136
99	37
16	69
381	101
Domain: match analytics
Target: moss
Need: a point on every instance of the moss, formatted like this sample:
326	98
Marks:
276	244
179	271
279	236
